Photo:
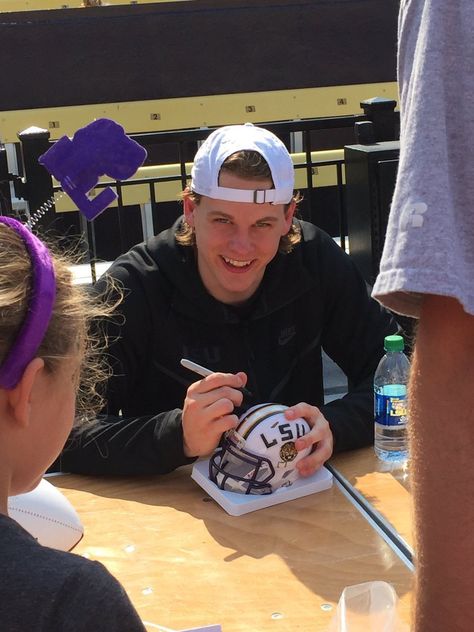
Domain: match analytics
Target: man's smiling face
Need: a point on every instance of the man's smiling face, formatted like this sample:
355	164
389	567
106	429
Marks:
235	241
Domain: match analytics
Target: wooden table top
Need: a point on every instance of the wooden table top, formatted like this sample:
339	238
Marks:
385	487
185	562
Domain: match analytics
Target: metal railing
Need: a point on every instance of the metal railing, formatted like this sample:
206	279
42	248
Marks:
301	137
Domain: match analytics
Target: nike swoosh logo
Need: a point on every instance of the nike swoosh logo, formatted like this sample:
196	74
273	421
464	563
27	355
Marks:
285	338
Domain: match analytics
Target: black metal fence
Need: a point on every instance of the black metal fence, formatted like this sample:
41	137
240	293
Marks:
118	228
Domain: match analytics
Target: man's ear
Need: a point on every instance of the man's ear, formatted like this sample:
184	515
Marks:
19	398
188	207
289	214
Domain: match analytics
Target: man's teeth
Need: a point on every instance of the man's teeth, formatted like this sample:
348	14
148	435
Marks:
237	264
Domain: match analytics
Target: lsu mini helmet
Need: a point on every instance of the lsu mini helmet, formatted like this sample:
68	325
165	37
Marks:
259	456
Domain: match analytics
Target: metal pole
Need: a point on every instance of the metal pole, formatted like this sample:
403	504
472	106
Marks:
38	187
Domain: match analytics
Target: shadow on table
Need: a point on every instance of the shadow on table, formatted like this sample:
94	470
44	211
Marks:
322	538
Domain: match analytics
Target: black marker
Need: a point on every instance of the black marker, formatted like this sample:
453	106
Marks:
201	370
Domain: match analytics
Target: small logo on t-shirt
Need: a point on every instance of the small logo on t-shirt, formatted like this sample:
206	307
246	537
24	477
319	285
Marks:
412	215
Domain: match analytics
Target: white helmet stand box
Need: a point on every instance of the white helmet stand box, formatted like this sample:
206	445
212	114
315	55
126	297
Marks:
237	504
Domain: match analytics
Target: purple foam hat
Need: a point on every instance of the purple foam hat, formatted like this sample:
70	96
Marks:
100	148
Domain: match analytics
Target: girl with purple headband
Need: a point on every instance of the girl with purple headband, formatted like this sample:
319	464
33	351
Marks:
46	359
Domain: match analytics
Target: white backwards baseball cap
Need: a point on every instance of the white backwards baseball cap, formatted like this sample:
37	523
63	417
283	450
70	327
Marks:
224	142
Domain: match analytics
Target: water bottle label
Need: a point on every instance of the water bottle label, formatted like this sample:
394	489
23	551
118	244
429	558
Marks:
390	410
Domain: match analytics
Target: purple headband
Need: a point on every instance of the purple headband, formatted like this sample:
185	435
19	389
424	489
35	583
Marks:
40	307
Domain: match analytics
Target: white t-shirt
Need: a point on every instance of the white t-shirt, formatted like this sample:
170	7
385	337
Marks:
429	246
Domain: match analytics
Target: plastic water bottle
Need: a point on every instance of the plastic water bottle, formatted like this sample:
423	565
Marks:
390	402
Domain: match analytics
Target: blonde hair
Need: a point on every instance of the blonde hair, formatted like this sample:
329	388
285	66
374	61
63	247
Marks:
247	164
69	332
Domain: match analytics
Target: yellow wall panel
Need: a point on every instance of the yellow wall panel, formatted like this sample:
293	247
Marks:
206	111
37	5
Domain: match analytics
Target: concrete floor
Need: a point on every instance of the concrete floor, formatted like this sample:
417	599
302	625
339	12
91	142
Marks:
335	382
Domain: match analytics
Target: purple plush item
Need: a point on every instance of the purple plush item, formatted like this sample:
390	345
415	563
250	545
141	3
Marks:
40	308
100	148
